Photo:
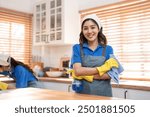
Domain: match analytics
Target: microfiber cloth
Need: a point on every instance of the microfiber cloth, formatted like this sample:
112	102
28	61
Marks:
114	72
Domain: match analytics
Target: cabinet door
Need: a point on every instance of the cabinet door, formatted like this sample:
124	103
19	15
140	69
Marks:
40	15
56	22
43	17
118	92
138	94
55	18
131	94
56	86
37	23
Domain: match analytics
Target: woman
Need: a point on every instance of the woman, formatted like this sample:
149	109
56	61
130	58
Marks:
92	57
21	73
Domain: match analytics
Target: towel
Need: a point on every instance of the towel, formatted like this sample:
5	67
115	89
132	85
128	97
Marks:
77	85
115	72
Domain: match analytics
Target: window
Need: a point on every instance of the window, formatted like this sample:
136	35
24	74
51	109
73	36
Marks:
127	27
15	34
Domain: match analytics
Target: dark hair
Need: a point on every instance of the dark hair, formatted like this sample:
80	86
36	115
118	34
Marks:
101	37
14	63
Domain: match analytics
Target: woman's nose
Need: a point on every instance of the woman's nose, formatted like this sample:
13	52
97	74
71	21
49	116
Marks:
89	30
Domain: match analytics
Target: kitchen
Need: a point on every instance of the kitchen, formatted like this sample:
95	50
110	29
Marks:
50	54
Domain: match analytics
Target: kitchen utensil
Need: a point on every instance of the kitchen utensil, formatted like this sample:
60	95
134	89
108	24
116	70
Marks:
54	73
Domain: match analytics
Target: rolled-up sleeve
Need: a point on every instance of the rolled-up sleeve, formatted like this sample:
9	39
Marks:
109	50
76	57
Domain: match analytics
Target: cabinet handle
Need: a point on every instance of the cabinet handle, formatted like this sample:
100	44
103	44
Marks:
125	94
69	88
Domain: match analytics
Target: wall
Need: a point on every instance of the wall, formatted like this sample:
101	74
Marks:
19	5
27	5
58	52
50	55
85	4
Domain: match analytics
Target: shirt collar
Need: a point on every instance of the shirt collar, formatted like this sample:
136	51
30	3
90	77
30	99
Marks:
87	46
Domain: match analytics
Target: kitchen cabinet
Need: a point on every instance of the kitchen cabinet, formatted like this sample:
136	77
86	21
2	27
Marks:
137	94
118	92
56	22
56	86
131	94
40	23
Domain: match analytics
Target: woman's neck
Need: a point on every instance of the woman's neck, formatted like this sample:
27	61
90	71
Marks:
93	44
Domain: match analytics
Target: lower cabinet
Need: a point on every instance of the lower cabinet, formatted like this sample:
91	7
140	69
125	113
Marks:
131	94
56	86
118	92
138	94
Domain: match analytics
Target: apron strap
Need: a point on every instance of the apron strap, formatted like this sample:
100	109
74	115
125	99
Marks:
104	50
81	51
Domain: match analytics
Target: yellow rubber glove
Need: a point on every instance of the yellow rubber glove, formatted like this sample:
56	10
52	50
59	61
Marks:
87	78
107	66
3	86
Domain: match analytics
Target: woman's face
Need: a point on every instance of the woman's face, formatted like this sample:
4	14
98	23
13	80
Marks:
90	30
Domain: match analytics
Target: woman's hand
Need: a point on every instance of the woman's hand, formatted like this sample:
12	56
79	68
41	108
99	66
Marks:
103	77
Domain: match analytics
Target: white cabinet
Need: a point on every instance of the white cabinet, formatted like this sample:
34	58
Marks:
56	22
56	86
118	92
138	94
131	94
40	23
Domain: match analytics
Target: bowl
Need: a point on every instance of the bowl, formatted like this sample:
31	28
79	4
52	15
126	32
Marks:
54	73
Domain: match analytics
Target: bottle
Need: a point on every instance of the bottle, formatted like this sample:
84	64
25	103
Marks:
77	85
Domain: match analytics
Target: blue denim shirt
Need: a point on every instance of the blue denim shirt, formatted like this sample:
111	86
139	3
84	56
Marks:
21	75
76	55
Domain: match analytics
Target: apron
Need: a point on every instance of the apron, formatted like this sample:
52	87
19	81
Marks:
97	87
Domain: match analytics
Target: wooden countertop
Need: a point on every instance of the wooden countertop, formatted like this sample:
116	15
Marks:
7	80
133	84
128	84
45	94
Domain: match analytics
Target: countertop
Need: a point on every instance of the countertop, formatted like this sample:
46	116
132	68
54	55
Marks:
45	94
128	84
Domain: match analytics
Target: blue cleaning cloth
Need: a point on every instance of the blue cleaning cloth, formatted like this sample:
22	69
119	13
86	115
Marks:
114	72
77	85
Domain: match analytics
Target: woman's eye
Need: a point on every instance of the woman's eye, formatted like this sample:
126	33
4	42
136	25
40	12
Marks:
85	28
93	27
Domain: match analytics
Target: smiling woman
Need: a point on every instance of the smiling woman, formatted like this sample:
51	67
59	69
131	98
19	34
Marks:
15	34
91	60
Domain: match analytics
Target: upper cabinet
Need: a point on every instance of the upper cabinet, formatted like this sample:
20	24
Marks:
56	22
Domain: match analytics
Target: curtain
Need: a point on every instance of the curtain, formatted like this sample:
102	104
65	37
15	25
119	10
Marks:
16	34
